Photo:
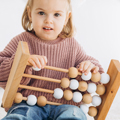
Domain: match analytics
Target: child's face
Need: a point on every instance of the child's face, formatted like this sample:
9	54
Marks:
48	13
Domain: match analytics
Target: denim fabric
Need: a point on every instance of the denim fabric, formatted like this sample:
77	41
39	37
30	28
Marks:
23	111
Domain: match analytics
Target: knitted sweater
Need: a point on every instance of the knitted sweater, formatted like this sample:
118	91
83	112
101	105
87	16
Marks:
62	53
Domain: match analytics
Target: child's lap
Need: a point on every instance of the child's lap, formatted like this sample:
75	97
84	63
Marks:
23	111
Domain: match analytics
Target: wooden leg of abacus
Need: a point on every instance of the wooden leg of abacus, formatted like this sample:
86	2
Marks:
111	90
17	70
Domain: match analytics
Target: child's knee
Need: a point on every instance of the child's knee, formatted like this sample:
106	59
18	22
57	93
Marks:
20	110
68	112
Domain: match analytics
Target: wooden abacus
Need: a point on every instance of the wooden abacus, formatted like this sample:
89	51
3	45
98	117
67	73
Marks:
17	72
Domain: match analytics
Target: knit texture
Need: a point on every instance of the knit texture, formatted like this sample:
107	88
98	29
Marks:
62	53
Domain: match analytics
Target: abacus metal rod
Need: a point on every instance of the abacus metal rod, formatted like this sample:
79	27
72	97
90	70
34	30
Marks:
42	78
36	89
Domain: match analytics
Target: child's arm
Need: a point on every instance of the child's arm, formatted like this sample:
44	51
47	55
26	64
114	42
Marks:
6	60
82	57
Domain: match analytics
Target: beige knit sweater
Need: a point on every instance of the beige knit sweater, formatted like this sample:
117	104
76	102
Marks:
62	53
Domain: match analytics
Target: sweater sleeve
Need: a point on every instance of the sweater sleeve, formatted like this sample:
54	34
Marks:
82	56
6	61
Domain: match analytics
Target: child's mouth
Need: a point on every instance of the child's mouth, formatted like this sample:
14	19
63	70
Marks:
47	29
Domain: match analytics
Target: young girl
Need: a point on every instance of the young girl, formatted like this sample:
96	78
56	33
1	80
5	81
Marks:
49	34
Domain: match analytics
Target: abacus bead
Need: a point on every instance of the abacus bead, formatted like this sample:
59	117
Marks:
92	111
96	77
36	69
84	108
41	101
77	97
18	98
100	89
68	95
58	93
91	87
74	84
96	100
82	86
31	100
86	77
65	82
87	98
105	78
73	72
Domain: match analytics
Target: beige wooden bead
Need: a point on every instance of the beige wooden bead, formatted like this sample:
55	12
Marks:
65	82
100	89
96	77
82	86
41	101
92	111
87	98
18	98
73	72
68	95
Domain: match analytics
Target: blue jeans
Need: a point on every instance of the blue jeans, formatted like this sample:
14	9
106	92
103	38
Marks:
23	111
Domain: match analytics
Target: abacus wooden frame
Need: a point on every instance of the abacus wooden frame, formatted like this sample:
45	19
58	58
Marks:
20	63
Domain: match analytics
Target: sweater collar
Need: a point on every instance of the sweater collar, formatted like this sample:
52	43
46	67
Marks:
35	38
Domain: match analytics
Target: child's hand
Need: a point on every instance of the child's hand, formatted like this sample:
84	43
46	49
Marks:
37	61
87	66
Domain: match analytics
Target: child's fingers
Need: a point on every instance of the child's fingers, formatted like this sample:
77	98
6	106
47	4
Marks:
81	66
86	65
41	60
37	62
88	69
32	63
45	59
95	69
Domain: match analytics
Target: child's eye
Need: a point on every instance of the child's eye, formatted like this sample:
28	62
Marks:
41	13
57	14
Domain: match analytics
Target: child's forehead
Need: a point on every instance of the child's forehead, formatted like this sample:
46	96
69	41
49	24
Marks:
54	5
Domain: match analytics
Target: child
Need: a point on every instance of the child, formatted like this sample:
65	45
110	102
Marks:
49	34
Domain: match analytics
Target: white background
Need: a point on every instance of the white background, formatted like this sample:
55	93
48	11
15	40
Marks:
98	31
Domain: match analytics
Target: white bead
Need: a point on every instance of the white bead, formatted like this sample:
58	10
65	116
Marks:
77	97
58	93
91	87
96	100
84	108
105	78
31	100
36	69
86	77
74	84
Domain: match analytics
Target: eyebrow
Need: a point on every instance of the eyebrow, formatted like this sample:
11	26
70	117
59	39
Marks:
44	10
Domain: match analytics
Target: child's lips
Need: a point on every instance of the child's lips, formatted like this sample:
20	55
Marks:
47	29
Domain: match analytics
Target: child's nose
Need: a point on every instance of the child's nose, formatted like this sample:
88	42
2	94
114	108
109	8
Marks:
49	20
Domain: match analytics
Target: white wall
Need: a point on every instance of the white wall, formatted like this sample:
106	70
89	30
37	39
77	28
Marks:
98	26
98	31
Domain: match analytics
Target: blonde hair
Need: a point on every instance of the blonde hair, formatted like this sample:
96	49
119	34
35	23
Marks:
68	29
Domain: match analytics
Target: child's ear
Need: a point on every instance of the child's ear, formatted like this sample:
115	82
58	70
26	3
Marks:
67	17
29	13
